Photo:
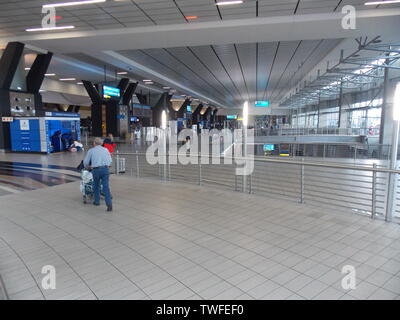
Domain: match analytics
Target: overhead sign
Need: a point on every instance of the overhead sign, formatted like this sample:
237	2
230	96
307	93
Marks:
262	104
7	119
231	117
109	92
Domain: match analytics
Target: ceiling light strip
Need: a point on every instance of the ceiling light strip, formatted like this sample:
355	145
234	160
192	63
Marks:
49	29
73	3
375	3
227	3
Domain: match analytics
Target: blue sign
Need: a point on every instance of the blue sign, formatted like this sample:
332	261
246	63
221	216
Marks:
141	106
109	92
62	114
269	147
188	108
231	117
262	104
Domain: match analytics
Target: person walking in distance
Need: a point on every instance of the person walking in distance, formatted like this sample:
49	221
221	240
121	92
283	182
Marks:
99	159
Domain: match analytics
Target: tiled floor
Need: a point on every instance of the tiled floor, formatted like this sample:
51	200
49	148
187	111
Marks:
182	241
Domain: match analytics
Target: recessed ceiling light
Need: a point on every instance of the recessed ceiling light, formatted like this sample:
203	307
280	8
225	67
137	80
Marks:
166	88
68	79
373	3
227	3
73	3
147	80
50	74
191	17
79	83
27	69
122	72
49	29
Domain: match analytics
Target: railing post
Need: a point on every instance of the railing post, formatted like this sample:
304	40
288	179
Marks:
200	173
117	164
373	205
250	183
165	173
235	182
86	138
137	165
302	182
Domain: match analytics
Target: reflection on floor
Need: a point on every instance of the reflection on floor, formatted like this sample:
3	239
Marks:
21	176
182	241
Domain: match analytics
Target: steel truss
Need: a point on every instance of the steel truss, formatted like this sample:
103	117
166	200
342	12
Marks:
354	72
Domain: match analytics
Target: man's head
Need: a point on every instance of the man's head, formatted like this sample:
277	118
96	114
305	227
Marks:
98	141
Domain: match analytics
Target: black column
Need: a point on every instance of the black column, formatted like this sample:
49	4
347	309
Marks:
8	66
196	114
161	105
142	98
207	114
214	116
183	109
127	97
96	108
9	63
111	117
122	85
36	74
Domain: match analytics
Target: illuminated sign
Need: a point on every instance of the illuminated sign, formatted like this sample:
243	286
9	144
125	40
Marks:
109	92
262	104
269	147
231	117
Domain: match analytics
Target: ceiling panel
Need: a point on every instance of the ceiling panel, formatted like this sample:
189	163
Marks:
27	13
234	73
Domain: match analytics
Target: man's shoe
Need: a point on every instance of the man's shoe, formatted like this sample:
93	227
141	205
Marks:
109	208
96	204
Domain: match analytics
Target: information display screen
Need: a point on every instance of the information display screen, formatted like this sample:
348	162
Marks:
269	147
262	104
111	92
231	117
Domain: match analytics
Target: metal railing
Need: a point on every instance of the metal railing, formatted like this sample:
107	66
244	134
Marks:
357	188
316	131
331	151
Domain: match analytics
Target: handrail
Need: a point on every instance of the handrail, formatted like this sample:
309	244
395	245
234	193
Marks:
301	163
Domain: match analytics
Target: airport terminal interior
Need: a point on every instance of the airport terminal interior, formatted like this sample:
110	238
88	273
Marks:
254	147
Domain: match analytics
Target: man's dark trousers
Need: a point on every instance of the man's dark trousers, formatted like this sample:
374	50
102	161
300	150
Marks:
101	175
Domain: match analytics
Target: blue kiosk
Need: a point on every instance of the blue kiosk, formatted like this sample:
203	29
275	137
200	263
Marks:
52	133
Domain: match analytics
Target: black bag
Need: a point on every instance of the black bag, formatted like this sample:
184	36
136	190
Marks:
80	167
